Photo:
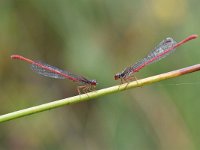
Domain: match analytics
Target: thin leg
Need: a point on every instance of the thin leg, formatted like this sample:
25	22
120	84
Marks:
79	88
85	89
93	88
120	83
131	79
127	80
121	80
135	79
90	88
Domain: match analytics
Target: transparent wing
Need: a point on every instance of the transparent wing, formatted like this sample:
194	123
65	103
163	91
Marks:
54	72
163	49
48	70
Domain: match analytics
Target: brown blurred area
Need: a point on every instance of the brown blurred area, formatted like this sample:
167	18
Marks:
96	39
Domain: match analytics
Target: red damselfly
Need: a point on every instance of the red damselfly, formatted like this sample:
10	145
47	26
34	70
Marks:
54	72
163	49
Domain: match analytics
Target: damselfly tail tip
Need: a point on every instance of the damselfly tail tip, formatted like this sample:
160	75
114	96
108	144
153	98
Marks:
193	36
14	56
19	57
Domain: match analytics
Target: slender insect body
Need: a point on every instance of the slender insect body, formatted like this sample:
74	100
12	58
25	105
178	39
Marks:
54	72
156	54
163	49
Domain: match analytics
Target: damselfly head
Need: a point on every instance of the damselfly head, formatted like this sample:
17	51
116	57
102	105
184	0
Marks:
93	82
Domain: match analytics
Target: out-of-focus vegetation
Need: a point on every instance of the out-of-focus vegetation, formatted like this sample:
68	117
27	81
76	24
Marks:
98	38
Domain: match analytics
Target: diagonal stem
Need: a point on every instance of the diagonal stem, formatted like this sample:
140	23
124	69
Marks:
95	94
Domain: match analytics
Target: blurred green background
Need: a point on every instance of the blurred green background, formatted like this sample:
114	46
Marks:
96	39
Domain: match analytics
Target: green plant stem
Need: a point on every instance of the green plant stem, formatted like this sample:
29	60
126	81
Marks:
95	94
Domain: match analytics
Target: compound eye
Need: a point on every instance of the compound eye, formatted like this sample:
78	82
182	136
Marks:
94	82
117	76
